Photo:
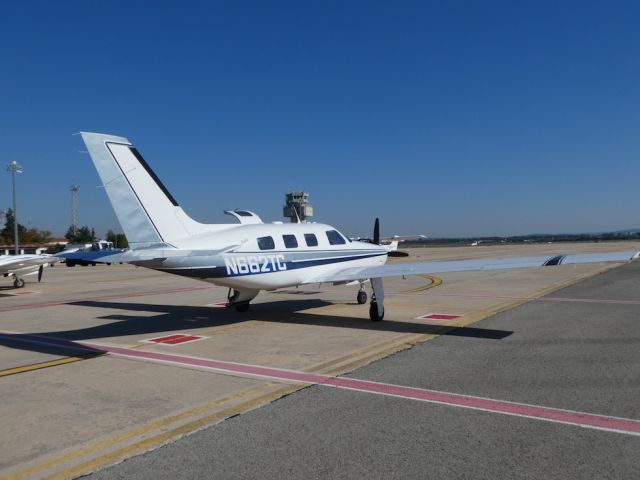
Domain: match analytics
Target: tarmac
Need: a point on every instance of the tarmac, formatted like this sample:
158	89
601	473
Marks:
537	376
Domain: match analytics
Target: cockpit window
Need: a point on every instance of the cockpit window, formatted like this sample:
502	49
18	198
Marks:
290	241
311	240
243	213
335	238
266	243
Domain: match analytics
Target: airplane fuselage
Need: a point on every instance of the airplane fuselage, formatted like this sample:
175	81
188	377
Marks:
269	256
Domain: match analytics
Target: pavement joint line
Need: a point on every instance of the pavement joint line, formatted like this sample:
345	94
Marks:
226	328
105	297
52	363
109	442
165	437
544	299
504	407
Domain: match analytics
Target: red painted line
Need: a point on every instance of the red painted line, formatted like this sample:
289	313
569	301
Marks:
439	316
587	420
174	339
104	297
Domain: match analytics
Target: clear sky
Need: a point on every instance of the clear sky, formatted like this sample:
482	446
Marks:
447	118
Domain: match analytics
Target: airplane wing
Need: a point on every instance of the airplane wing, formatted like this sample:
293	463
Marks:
25	263
417	268
140	255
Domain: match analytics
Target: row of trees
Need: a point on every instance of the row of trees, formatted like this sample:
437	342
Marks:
74	235
27	235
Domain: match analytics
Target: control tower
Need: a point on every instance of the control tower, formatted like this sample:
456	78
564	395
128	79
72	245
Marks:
297	207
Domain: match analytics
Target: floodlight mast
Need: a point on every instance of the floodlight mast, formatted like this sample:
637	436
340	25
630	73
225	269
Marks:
14	168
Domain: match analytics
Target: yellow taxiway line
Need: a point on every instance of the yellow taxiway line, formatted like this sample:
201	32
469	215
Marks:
52	363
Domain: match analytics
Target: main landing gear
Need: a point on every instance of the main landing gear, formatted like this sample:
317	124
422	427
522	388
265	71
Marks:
18	282
376	309
239	299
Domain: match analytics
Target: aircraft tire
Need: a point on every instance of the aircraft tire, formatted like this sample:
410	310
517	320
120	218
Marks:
373	312
361	297
18	283
242	307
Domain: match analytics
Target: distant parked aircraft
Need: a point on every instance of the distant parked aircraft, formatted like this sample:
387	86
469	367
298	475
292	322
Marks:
18	266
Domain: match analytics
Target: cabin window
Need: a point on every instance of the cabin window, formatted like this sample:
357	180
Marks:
266	243
290	241
311	240
335	238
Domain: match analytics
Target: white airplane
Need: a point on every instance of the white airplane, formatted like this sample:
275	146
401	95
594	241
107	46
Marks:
18	266
253	256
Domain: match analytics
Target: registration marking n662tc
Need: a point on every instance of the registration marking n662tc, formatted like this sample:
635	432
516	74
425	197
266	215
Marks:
255	264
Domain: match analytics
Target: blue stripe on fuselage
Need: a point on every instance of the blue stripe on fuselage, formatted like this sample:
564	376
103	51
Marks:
222	271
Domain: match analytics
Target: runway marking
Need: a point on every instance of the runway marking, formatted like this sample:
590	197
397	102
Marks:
570	417
435	281
41	365
438	316
105	297
176	339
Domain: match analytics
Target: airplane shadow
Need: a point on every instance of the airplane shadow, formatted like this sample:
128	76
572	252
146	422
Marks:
170	318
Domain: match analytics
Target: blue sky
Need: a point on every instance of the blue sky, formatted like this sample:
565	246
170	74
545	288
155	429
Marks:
443	118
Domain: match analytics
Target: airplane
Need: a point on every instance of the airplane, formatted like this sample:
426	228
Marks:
250	256
18	266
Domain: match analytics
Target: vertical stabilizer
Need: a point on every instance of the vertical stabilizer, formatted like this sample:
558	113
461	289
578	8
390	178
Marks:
147	212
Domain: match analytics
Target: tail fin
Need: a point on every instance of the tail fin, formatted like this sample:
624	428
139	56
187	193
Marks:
147	212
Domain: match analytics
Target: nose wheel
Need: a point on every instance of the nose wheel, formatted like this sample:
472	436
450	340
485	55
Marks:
361	298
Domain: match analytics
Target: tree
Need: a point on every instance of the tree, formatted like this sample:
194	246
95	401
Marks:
7	232
80	235
119	239
35	235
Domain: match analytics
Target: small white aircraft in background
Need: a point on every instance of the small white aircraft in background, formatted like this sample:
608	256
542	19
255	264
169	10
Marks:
18	266
253	256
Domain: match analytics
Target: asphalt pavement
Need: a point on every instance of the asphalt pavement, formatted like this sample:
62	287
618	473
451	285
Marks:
576	349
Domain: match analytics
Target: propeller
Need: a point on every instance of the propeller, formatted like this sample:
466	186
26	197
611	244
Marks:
40	270
376	232
397	253
376	240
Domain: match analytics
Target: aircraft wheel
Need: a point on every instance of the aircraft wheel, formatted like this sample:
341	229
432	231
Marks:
242	307
18	283
361	297
373	312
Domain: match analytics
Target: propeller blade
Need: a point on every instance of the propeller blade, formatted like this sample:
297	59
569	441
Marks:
40	270
397	253
376	232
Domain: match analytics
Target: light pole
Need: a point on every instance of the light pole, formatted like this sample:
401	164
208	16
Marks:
14	168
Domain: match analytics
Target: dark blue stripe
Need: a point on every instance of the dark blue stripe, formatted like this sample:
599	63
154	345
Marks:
221	271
